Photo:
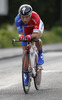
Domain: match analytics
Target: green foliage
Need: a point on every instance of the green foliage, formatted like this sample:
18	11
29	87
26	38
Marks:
6	37
57	30
52	36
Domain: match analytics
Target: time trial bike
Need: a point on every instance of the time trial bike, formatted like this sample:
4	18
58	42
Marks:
34	70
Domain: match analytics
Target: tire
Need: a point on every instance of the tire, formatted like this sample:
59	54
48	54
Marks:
25	88
37	79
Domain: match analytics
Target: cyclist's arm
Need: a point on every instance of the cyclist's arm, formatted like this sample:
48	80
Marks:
38	30
36	35
18	25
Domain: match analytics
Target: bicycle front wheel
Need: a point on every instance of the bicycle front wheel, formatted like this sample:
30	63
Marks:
25	57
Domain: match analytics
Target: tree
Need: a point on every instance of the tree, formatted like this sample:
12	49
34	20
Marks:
49	11
61	12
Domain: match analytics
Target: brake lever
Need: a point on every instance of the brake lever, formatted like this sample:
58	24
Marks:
13	42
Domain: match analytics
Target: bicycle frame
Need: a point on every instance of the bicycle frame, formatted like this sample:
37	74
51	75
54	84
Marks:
29	46
28	51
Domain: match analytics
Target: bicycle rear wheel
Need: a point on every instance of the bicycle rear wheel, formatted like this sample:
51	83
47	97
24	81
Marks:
37	79
25	88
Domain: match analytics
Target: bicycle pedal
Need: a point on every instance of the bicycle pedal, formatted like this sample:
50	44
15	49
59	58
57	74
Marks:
39	68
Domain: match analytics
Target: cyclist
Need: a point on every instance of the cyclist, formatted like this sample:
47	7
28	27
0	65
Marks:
29	25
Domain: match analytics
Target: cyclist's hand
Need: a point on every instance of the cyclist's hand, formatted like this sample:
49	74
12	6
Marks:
28	37
21	37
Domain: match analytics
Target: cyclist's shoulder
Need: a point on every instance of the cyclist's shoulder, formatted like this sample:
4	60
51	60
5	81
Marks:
34	13
18	19
35	16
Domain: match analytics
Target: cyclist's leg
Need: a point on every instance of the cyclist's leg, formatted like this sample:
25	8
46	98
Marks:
24	49
26	76
40	52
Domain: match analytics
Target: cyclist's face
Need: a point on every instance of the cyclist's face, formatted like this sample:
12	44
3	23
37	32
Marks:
25	19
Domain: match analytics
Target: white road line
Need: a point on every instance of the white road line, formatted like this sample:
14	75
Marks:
8	85
52	71
53	54
10	81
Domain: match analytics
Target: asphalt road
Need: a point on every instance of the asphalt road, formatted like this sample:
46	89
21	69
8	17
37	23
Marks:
51	85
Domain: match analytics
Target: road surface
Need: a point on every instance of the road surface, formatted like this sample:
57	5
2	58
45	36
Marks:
11	80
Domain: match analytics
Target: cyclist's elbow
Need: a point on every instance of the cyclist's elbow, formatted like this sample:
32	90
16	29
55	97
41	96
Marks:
36	36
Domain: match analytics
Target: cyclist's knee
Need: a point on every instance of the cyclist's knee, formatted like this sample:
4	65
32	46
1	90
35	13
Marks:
24	48
40	43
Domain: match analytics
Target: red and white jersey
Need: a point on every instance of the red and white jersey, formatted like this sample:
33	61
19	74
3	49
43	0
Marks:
34	25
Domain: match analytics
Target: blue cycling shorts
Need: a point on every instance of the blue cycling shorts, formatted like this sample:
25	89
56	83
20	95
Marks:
24	43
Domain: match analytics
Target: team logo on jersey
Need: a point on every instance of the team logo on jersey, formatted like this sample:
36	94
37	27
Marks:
23	9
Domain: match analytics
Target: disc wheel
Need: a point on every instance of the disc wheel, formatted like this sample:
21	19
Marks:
37	79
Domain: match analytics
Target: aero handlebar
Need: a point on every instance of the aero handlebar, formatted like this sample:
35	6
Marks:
32	40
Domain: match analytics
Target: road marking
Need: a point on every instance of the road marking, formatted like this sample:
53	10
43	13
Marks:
10	81
52	71
53	54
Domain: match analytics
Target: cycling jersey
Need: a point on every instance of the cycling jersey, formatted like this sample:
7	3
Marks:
34	25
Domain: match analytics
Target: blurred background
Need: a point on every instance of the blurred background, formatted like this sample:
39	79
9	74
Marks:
50	11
